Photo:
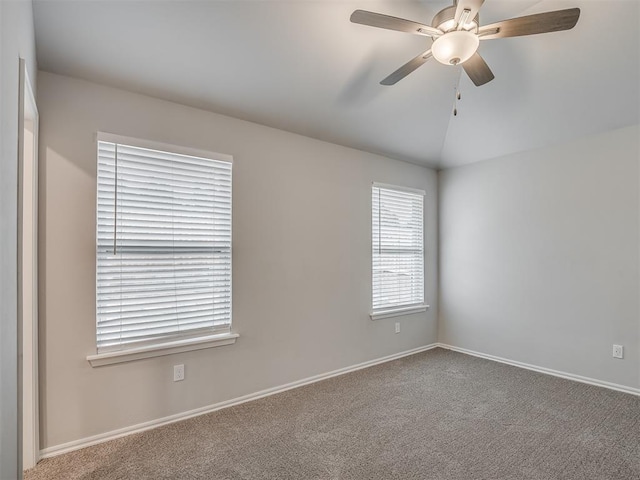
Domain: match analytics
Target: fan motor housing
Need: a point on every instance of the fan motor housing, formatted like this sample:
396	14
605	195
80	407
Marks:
445	20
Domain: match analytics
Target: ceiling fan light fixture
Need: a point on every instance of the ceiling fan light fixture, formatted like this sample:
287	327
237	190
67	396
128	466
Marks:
456	33
455	47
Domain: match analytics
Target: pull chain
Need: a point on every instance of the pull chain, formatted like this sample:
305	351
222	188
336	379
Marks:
457	97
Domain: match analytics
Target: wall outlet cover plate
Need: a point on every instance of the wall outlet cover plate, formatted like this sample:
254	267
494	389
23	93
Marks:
178	373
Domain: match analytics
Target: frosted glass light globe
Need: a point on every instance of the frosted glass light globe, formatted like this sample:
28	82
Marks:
455	47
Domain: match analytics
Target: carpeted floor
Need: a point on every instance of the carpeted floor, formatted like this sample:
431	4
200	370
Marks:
434	415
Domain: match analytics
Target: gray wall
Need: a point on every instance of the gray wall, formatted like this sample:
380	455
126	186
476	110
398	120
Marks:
302	261
16	40
539	257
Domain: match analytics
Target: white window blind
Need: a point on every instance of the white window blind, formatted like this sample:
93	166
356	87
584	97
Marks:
163	246
398	247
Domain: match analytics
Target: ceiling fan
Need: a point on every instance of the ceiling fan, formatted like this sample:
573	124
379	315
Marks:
456	35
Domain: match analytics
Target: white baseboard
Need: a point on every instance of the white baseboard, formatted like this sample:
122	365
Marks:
548	371
141	427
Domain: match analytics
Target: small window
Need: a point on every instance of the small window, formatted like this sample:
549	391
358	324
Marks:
398	249
163	245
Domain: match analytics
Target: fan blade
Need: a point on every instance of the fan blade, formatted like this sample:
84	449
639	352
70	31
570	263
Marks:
406	69
392	23
532	24
478	70
472	5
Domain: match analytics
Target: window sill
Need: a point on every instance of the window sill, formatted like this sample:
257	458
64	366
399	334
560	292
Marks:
395	312
177	346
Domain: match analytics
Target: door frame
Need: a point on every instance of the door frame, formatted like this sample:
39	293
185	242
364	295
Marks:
28	398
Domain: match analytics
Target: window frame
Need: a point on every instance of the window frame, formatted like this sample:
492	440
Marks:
169	344
404	309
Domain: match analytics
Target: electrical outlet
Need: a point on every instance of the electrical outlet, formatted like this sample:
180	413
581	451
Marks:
397	327
178	373
618	351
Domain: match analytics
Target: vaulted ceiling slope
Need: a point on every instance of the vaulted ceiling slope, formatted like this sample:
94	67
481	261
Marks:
302	66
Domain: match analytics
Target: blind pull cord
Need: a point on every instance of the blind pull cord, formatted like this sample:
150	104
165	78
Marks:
115	206
379	223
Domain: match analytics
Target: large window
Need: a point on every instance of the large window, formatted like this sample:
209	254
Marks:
163	245
398	249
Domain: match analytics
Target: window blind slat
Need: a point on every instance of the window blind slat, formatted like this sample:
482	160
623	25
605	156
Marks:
163	246
398	248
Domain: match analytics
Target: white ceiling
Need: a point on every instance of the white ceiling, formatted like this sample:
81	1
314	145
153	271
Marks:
302	66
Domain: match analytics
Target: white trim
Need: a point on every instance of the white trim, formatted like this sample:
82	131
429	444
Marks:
164	147
548	371
397	311
141	427
157	350
28	332
398	188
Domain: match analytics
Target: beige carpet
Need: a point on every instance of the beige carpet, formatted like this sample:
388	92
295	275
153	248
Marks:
434	415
